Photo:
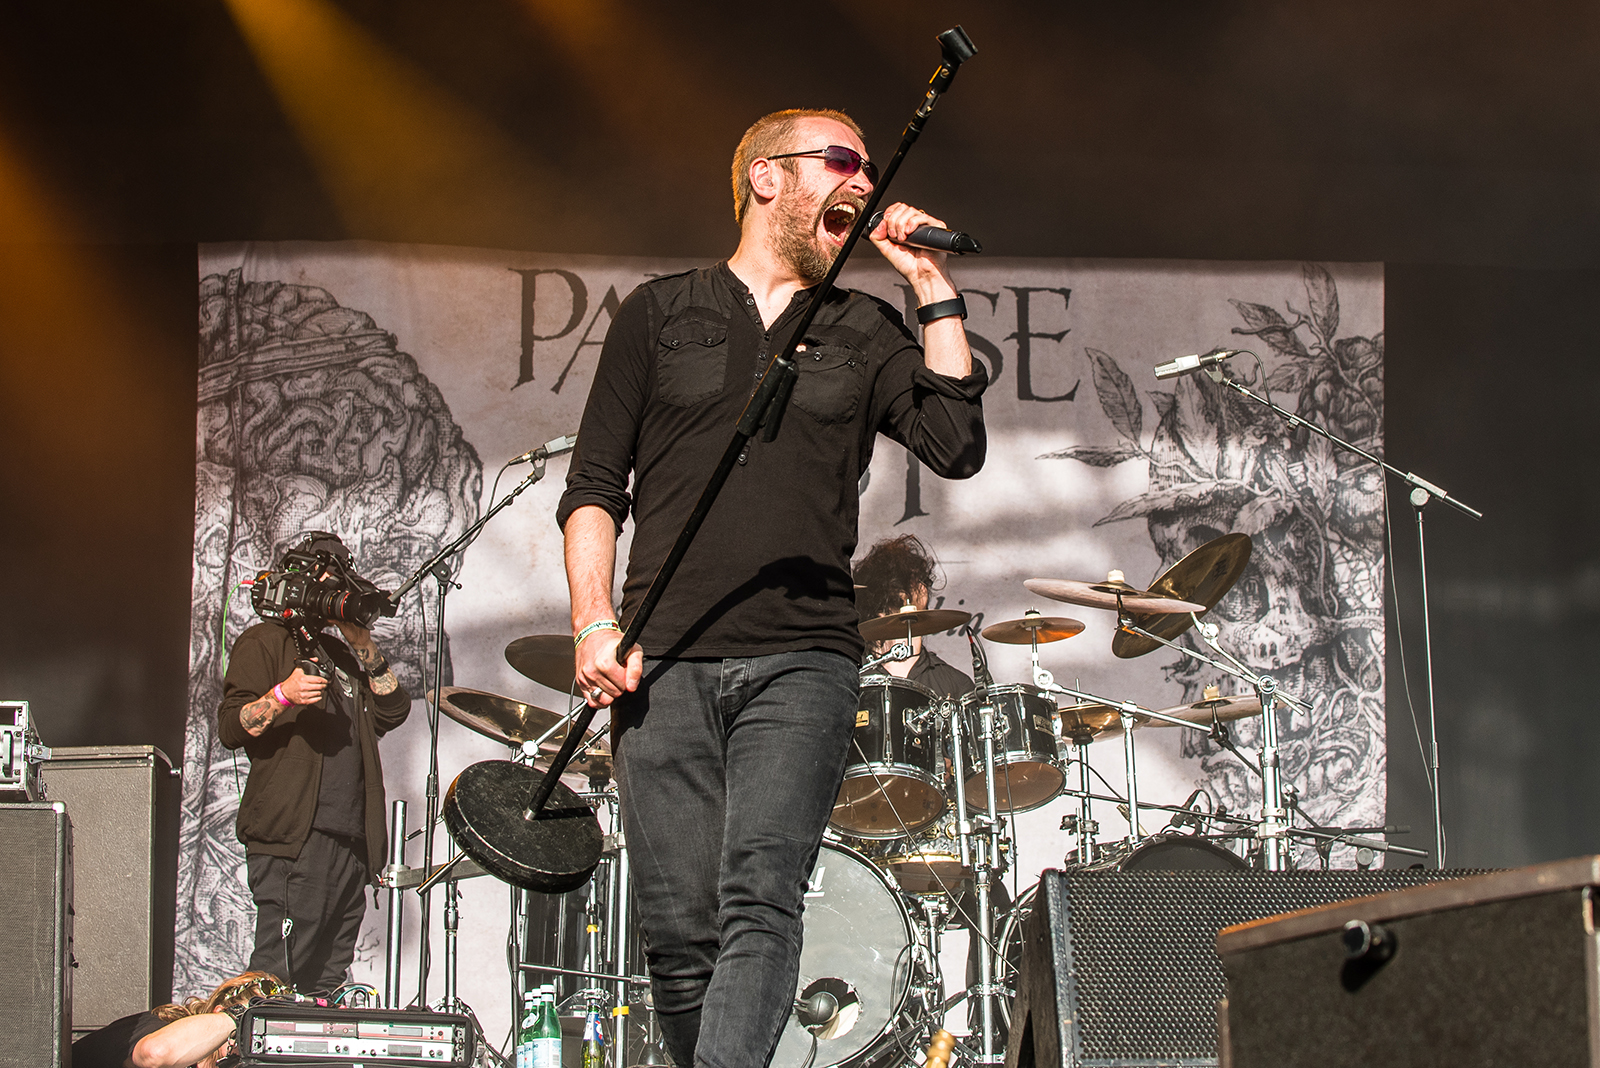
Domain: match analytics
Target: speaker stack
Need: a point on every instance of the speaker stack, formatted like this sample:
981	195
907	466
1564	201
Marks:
1120	968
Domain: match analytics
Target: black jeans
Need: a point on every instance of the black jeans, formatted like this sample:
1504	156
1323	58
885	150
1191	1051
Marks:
324	890
728	770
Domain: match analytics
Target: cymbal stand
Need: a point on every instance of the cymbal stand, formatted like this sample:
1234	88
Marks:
1274	807
980	846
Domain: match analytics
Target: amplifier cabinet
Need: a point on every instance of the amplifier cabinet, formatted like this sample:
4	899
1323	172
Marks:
36	936
1119	968
1496	970
123	800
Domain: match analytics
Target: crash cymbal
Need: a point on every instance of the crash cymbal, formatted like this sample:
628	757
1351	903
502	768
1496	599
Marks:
1112	593
1089	721
493	716
1203	576
911	622
547	659
1212	708
1031	627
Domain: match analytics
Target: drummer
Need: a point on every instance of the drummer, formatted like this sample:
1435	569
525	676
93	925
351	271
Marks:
897	572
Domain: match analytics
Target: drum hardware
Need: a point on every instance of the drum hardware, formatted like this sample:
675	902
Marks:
900	650
1114	594
1202	577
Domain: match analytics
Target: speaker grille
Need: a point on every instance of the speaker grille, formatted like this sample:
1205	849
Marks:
1143	978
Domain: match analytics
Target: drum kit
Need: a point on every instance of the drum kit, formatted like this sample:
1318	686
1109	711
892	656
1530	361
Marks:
920	834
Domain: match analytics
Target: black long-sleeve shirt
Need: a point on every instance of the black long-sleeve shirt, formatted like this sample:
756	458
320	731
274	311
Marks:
769	571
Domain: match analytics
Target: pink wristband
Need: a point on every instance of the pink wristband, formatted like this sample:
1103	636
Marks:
277	691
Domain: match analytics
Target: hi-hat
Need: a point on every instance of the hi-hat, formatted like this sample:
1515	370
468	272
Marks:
1212	708
493	716
1032	627
1203	576
911	622
547	659
1114	593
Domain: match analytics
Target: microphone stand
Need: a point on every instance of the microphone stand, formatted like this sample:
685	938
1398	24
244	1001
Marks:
1422	491
764	410
440	570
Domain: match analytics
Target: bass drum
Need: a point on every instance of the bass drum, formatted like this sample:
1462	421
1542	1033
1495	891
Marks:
859	948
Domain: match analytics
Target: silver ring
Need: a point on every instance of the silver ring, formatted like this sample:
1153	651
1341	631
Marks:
594	694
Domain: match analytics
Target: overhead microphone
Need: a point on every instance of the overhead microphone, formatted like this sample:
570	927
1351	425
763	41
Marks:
1187	364
553	447
933	238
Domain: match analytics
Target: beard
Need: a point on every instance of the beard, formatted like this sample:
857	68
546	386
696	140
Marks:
794	239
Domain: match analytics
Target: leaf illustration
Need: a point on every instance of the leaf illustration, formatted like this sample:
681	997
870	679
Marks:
1098	455
1182	497
1259	514
1267	324
1118	399
1287	377
1324	297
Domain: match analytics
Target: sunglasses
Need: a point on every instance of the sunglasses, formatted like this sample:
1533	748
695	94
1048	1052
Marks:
839	160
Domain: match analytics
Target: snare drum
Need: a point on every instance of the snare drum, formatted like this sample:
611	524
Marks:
929	862
892	778
1025	749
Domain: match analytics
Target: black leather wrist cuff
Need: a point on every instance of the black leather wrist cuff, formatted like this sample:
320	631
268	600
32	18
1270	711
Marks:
942	309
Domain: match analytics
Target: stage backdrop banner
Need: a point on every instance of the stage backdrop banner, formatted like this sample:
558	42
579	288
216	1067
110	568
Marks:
375	390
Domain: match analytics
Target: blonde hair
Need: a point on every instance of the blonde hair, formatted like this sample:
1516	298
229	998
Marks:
231	992
769	136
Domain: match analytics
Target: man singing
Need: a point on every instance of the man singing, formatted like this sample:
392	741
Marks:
731	726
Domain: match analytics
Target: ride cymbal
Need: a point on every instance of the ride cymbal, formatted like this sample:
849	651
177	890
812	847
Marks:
1032	627
493	716
1211	709
911	622
1113	593
547	659
1204	576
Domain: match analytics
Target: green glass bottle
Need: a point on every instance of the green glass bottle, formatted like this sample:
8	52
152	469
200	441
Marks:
594	1040
547	1034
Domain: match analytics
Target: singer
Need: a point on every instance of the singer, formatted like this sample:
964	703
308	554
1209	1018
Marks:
730	728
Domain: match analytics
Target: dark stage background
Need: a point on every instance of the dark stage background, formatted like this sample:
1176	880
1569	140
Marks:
1458	146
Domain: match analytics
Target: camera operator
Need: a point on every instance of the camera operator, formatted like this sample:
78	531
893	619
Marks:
312	817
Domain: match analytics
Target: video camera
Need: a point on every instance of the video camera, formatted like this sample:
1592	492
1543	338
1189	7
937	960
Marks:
315	582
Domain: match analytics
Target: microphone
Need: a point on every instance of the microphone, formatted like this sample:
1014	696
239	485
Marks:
934	238
817	1011
980	669
554	447
1186	364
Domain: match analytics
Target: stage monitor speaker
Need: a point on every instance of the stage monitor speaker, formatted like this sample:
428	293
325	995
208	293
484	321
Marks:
36	936
1119	968
123	804
1498	970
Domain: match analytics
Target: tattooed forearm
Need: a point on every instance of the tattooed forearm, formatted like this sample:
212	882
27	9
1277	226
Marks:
379	675
257	716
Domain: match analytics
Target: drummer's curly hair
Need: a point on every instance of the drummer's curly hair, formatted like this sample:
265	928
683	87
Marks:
891	571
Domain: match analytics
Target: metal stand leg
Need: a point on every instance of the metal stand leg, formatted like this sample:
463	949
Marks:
1131	773
1274	813
452	947
397	897
1419	498
1086	825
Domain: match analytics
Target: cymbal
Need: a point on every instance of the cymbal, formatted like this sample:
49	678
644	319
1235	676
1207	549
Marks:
592	764
1212	708
1089	721
547	659
1112	593
501	718
911	622
1203	576
1032	626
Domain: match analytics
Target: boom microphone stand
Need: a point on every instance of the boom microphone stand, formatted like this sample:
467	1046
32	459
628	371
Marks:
1422	491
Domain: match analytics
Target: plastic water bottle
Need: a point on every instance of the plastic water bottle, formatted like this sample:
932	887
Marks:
547	1036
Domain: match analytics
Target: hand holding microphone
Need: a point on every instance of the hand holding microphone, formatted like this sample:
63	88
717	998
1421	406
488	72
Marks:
933	238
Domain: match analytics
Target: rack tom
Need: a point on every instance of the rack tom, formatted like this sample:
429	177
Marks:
1027	755
892	777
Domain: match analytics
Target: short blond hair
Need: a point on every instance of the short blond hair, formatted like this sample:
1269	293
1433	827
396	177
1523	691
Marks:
768	136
